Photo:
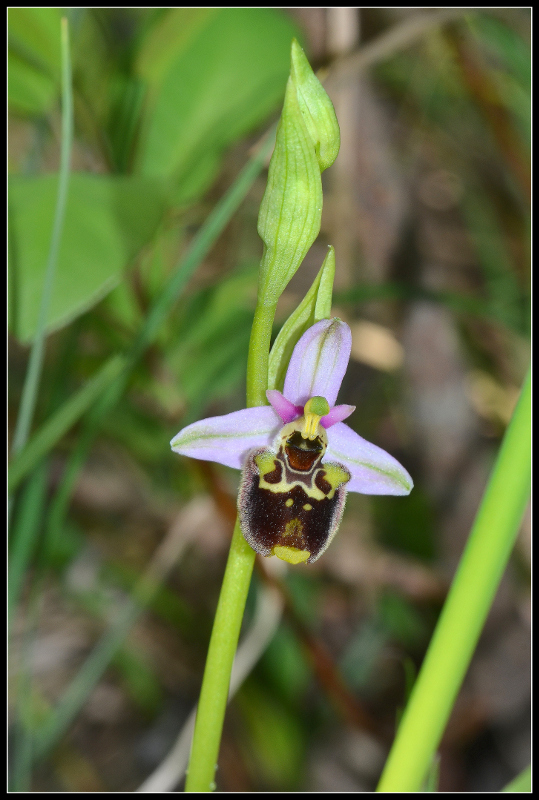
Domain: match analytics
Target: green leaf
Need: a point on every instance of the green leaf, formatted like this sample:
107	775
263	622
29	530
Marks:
213	74
108	219
33	59
472	592
316	305
172	33
29	90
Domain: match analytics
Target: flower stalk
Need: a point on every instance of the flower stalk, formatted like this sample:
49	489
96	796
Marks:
297	456
289	218
214	692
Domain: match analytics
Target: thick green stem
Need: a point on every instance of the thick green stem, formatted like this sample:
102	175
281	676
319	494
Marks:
476	581
229	614
258	358
224	639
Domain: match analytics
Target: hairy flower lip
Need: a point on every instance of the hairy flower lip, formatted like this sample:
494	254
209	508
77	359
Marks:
317	367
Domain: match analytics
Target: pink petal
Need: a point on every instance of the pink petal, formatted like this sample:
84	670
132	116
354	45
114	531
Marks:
319	362
337	414
373	470
228	439
283	407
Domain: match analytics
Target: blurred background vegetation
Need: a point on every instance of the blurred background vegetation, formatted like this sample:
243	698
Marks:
118	546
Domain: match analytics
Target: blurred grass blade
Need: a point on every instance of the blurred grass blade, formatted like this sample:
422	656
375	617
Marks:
33	374
19	777
471	595
201	245
59	503
522	783
25	532
505	296
60	422
433	775
85	680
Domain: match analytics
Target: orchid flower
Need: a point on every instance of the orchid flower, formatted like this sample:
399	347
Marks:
298	457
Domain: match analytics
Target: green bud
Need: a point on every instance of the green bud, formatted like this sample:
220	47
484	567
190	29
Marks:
317	109
307	142
316	305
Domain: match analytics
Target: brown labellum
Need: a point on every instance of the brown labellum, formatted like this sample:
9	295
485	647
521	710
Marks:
290	504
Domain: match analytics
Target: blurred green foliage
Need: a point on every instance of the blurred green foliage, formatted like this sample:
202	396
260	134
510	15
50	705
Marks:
205	89
274	738
34	59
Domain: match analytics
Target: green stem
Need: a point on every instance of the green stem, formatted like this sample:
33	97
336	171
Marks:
35	363
92	670
470	597
258	358
223	643
229	614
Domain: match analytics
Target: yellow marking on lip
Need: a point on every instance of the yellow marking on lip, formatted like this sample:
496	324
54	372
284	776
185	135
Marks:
293	528
335	475
307	507
265	462
289	502
291	554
